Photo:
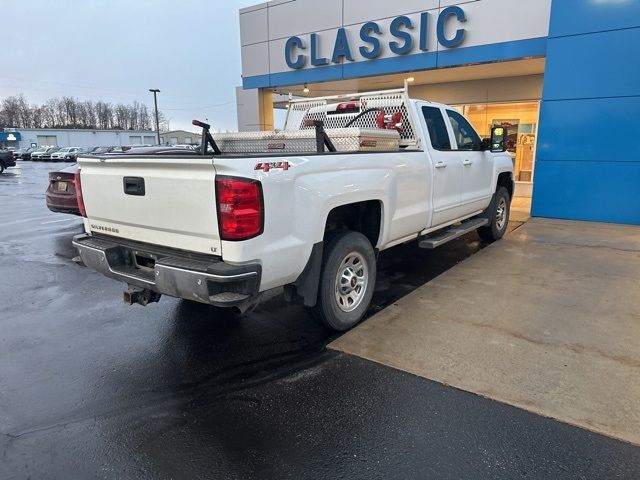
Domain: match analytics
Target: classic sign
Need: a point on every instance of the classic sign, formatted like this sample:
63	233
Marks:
371	47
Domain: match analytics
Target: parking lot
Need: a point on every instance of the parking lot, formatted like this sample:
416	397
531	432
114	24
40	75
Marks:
90	387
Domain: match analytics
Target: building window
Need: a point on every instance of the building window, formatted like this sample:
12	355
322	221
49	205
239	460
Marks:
187	140
521	121
47	140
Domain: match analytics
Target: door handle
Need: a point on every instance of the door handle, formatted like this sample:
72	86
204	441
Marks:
467	162
133	186
441	165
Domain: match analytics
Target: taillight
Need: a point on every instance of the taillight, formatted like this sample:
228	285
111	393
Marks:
240	208
79	199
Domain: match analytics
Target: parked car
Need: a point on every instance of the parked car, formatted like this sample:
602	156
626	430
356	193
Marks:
66	154
157	150
99	150
61	193
21	153
46	156
6	160
226	226
36	153
26	155
43	153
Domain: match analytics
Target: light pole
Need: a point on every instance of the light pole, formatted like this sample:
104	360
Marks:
155	91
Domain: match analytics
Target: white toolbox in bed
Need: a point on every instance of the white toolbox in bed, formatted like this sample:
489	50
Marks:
350	139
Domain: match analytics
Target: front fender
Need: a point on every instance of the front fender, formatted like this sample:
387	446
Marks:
502	163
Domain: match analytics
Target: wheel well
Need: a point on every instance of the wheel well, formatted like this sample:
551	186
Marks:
364	217
506	180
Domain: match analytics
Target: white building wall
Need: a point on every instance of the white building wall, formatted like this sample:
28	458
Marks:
248	110
88	138
265	28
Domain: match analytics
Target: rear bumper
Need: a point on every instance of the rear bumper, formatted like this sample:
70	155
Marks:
201	278
62	203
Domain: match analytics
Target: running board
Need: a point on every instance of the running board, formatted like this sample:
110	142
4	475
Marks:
452	233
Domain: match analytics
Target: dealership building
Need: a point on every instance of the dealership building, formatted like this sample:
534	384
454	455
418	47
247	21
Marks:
562	75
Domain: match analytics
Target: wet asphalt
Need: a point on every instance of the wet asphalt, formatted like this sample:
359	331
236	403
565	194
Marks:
92	388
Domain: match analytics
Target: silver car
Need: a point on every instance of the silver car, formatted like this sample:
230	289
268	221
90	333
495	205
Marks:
66	154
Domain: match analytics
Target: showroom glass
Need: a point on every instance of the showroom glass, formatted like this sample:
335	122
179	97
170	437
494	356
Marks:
437	128
466	137
521	120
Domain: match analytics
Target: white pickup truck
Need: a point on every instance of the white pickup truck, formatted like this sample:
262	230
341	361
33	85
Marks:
306	208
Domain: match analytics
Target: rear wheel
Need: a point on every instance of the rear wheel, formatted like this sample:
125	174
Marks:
498	215
347	281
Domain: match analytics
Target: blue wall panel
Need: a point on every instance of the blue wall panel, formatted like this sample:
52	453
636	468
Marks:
573	17
590	130
588	153
587	66
592	191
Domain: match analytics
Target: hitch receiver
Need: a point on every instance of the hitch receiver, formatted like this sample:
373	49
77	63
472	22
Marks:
141	296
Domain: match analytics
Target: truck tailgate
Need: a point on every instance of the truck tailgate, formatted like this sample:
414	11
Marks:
159	200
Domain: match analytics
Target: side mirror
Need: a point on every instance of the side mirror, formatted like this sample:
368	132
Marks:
498	139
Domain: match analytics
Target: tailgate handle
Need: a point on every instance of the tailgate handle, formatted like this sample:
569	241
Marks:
133	186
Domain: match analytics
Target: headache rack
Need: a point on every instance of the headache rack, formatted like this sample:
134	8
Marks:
370	121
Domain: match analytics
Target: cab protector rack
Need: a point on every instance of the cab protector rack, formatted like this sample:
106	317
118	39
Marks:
354	110
342	123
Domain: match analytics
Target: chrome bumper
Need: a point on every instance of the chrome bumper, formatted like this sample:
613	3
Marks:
170	272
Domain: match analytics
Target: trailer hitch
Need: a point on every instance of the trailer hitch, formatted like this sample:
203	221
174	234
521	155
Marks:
141	296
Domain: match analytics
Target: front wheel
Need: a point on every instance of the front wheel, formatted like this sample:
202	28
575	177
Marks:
347	281
498	214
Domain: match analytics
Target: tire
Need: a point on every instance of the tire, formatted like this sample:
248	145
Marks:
498	214
347	281
1	168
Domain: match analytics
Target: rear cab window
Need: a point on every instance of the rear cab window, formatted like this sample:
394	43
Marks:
437	128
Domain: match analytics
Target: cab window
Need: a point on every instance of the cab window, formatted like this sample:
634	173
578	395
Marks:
466	137
437	128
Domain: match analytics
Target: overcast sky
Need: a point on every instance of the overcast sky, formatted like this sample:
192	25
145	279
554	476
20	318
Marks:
115	50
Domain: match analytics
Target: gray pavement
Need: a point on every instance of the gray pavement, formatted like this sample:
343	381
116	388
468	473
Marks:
547	320
92	388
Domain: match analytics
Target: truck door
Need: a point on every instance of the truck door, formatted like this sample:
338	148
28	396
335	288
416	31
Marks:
447	166
477	165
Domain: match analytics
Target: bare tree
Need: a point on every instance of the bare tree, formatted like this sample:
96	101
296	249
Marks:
145	119
69	112
37	115
70	107
24	112
122	116
10	112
